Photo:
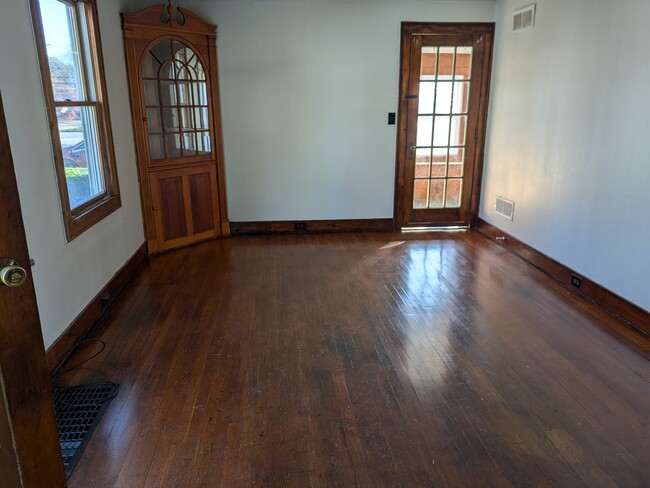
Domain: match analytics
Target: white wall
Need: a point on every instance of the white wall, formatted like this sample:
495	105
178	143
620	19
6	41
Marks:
67	275
569	137
306	88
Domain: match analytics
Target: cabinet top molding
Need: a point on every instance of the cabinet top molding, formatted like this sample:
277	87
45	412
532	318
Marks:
167	17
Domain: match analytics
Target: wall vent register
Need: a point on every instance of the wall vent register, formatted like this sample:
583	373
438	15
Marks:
505	208
524	18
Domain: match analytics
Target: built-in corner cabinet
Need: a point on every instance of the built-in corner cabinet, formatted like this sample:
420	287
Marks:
171	58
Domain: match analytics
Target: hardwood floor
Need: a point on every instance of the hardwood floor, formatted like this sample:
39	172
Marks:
360	360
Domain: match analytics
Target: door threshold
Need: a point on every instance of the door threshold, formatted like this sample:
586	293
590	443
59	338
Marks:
449	228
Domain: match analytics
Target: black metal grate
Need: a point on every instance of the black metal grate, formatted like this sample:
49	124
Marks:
78	411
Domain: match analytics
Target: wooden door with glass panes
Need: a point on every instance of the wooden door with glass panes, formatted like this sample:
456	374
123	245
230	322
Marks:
172	64
444	101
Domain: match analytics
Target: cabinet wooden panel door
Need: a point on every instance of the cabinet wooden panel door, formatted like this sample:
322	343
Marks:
173	82
184	205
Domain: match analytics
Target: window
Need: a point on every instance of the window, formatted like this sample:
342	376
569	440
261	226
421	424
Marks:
69	48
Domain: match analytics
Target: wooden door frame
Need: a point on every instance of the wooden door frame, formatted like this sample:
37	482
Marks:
441	28
30	454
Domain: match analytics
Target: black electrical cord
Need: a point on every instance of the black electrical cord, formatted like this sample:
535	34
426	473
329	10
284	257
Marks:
56	372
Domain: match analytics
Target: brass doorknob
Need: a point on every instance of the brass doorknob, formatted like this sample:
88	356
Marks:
11	273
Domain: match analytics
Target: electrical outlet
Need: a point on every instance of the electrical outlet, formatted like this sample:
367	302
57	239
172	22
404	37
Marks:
299	226
576	281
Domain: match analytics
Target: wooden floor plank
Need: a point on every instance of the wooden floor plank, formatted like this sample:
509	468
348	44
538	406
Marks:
378	360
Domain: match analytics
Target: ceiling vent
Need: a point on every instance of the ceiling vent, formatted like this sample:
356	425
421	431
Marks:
524	18
505	208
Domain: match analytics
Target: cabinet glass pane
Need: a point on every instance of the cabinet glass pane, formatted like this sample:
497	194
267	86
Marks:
170	118
153	120
173	145
151	92
156	146
168	93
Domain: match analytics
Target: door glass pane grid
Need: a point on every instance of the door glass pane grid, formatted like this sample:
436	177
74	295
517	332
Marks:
443	101
176	101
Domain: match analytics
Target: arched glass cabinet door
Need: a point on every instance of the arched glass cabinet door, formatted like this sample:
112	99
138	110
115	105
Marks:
175	88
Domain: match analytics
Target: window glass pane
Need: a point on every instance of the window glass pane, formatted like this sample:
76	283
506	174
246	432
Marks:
463	63
425	97
456	154
439	171
420	191
81	154
458	130
424	129
456	170
461	97
422	162
452	199
443	97
437	191
64	52
446	62
441	132
428	63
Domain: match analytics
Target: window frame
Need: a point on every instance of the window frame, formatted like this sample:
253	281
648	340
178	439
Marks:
84	216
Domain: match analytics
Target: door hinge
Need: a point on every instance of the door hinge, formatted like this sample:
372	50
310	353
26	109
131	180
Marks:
411	96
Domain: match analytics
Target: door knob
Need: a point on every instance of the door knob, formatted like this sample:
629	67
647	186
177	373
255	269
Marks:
11	274
412	149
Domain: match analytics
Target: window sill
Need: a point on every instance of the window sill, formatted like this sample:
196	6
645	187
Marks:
77	224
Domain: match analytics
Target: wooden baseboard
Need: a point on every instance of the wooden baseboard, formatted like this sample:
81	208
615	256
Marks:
290	226
630	315
81	326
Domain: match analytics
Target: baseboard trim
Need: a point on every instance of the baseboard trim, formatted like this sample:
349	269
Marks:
633	317
81	326
315	226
